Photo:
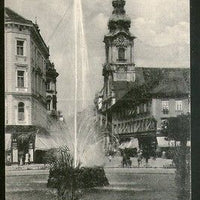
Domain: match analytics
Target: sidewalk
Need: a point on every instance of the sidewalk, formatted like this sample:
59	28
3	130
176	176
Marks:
115	163
27	167
157	163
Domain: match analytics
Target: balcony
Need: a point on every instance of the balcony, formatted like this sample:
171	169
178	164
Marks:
121	60
53	113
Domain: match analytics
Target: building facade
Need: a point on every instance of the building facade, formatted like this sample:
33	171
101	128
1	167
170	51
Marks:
135	100
26	79
51	92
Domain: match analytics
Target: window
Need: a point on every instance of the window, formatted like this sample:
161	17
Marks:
145	107
48	85
141	107
48	105
107	54
21	111
54	102
121	54
20	79
148	107
20	48
165	107
179	106
138	109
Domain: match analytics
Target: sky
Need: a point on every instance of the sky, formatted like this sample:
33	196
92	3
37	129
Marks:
161	28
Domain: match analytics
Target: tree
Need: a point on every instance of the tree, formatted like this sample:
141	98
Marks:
178	129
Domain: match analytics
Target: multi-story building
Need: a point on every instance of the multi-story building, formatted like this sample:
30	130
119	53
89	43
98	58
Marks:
51	76
135	100
27	72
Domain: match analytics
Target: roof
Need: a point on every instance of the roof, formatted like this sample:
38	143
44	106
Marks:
157	82
11	16
121	88
173	84
166	81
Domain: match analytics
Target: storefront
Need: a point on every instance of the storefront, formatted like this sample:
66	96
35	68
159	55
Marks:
8	148
28	144
22	146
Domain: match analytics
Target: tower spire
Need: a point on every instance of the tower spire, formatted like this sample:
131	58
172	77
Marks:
119	6
119	20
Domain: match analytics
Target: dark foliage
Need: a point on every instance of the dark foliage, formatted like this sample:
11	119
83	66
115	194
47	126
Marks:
178	128
82	177
71	181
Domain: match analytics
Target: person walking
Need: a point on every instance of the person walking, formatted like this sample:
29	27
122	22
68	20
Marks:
124	159
29	158
139	158
26	158
110	158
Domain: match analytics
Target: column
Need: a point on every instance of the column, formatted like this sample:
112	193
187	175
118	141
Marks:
31	151
14	152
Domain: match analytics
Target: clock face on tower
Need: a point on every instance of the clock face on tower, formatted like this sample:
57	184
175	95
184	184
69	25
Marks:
121	41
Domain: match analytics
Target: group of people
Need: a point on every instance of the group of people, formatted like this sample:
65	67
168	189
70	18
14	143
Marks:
126	161
25	159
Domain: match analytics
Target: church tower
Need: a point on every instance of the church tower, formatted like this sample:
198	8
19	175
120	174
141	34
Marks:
119	67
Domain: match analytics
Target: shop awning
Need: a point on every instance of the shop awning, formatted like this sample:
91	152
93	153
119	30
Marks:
7	141
162	142
45	140
133	143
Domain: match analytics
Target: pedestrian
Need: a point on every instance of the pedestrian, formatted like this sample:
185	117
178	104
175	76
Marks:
9	159
26	158
21	160
146	156
147	159
124	160
129	162
139	158
164	155
29	158
110	158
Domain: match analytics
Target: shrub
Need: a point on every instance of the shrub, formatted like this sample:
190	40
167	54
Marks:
70	181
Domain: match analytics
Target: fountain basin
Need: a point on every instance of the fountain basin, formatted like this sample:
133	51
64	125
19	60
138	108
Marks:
79	178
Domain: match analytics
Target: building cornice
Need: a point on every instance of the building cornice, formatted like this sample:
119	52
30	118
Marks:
35	34
41	99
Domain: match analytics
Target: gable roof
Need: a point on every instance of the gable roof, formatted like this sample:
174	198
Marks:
154	82
11	16
173	84
167	81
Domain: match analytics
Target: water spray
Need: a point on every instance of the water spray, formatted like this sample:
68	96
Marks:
76	81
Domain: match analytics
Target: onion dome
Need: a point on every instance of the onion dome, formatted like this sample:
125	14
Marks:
119	20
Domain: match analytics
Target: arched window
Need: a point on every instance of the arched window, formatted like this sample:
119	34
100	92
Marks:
49	105
21	115
121	53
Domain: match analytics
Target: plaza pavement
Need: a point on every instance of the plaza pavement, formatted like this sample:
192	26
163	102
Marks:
116	162
154	182
154	166
125	183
